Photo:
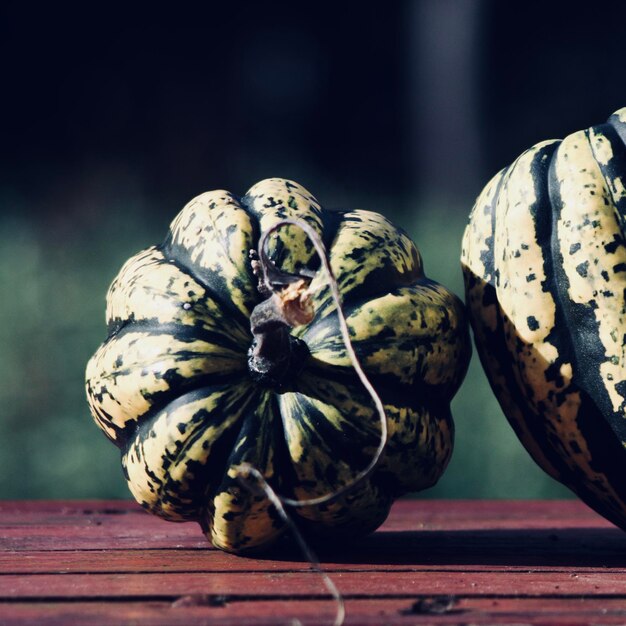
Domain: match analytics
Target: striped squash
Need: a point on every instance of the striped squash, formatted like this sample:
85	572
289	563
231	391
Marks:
544	259
171	385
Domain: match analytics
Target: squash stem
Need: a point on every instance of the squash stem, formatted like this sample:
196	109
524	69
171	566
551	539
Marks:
276	357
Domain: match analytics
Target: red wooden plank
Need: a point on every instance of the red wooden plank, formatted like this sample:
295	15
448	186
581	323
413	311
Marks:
123	525
526	548
91	526
294	584
482	552
318	612
74	505
450	513
359	559
463	514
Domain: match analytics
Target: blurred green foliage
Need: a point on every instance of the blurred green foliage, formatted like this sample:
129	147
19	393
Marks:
488	460
54	273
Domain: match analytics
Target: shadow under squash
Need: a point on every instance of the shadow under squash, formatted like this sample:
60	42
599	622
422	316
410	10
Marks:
590	547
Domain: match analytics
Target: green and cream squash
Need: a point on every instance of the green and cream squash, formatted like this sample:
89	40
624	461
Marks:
172	385
544	258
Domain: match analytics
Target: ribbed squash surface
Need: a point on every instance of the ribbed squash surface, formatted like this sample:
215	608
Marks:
171	387
544	257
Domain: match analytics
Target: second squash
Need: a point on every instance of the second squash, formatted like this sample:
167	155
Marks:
544	259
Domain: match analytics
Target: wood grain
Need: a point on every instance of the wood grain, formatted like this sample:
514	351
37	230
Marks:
435	562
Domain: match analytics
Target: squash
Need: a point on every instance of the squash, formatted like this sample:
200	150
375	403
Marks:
544	260
177	387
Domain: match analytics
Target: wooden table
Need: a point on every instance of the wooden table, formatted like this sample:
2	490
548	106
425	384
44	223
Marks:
433	562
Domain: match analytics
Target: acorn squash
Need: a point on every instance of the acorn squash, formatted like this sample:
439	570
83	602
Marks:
544	259
177	387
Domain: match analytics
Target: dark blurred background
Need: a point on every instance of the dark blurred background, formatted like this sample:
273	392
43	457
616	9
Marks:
111	120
